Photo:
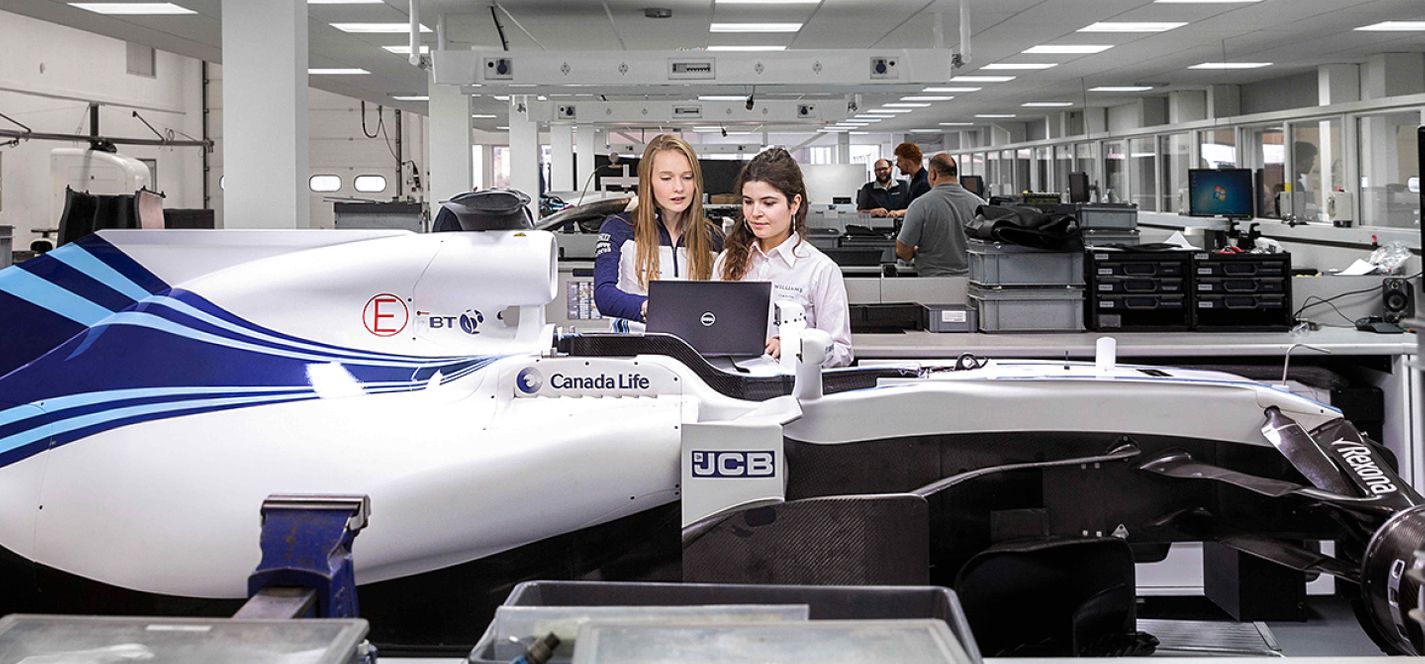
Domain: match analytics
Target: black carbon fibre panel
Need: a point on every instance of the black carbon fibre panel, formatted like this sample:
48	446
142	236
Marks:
751	388
844	540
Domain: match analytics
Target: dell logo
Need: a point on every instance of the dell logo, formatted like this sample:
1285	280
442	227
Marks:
708	319
734	464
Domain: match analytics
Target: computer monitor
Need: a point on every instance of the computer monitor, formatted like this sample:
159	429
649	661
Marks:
717	318
1420	145
974	184
1226	192
1079	187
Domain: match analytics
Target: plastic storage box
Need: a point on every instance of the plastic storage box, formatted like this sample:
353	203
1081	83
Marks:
823	602
1144	291
995	264
951	318
94	639
1029	309
1242	292
1111	237
1101	216
841	642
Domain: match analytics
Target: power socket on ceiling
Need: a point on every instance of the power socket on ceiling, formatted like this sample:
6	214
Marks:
566	112
885	69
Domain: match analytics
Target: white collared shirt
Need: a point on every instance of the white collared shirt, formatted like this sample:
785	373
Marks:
801	273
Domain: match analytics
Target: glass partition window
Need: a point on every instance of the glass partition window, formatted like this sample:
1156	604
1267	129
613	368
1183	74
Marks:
1175	151
1005	176
1266	156
1063	165
992	174
1317	166
977	163
1218	149
1115	172
1389	169
1086	160
1042	165
1142	169
1023	166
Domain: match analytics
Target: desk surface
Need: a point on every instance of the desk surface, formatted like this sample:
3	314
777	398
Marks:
926	345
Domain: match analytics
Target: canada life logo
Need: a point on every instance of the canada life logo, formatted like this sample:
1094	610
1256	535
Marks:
529	380
385	315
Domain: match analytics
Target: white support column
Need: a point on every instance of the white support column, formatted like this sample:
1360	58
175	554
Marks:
843	147
585	147
524	151
561	155
1338	84
451	159
1224	101
265	114
1392	75
1187	106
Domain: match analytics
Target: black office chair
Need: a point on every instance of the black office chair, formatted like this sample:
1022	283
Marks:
77	220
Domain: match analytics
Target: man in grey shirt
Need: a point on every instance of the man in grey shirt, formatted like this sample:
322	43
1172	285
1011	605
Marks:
933	233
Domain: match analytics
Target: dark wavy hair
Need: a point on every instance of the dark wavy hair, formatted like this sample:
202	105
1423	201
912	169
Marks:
776	167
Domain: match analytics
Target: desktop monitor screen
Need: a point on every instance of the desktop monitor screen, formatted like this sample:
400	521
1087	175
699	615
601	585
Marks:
1220	193
1079	187
974	184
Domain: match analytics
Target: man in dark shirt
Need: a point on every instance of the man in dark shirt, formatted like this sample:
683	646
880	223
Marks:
908	158
880	196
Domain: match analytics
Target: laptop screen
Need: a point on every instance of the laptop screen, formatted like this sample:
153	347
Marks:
722	318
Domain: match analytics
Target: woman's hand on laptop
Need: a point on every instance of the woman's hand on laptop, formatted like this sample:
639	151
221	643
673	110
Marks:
643	311
774	347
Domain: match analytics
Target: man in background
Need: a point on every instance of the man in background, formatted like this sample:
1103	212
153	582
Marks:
933	234
908	158
883	194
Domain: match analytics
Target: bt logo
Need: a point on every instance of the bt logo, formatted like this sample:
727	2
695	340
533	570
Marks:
469	321
529	380
734	464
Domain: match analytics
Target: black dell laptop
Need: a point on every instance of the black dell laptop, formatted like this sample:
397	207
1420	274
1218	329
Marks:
717	318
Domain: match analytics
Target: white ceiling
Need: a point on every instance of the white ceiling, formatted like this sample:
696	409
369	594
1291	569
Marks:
1296	35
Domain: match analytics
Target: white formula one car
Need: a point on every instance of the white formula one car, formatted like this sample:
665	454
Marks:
157	386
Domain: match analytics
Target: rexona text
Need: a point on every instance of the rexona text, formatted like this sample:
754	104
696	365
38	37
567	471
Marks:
628	381
1363	463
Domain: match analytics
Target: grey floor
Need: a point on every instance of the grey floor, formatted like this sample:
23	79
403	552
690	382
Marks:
1332	631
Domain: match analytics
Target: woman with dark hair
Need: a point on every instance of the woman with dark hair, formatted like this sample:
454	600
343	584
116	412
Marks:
767	245
667	236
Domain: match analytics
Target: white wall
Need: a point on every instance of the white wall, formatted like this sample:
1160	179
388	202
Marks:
336	146
48	75
1279	94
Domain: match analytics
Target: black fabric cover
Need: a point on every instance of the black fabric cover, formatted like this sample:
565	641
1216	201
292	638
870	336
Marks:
85	213
751	388
1026	226
878	540
490	210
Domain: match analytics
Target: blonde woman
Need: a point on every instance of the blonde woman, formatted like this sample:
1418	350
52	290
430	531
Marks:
665	237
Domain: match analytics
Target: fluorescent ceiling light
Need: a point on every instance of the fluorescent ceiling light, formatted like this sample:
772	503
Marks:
405	49
1231	65
925	98
346	2
728	47
903	104
859	133
133	8
1133	26
1205	2
994	116
830	130
1012	66
504	127
411	97
925	131
1395	26
1067	49
483	116
722	98
875	116
1121	88
891	110
938	88
502	97
707	130
755	27
957	124
982	79
768	2
336	71
1048	104
377	28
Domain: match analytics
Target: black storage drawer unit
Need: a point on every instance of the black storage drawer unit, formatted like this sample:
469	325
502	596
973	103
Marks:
1242	292
1143	291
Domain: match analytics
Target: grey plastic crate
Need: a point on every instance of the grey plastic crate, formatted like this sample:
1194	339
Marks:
1105	237
1107	217
996	264
823	602
1029	309
951	318
7	246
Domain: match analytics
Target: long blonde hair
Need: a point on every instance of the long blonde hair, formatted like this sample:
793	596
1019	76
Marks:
697	230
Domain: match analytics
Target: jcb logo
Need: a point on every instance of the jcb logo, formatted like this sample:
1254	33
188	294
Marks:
734	464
